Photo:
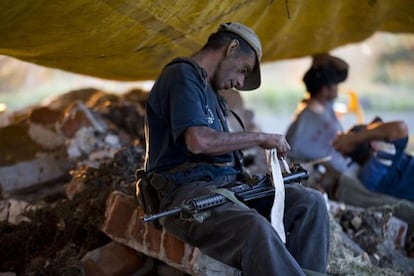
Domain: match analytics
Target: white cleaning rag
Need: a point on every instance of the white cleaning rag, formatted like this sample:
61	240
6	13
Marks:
276	215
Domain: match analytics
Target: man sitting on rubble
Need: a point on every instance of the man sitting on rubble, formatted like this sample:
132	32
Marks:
380	150
191	153
311	136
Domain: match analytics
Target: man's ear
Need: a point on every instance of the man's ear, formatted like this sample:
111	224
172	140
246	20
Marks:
233	47
374	145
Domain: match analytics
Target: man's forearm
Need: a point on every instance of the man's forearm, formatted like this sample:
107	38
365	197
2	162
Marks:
385	131
208	141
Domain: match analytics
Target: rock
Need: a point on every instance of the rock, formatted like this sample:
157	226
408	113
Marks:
43	168
12	210
112	259
381	237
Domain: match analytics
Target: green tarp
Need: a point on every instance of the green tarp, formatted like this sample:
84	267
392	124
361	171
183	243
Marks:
133	39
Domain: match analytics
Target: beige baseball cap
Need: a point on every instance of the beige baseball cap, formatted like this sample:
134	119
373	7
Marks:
253	79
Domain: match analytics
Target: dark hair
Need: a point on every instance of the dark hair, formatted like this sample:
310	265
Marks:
219	39
361	153
363	150
316	78
332	72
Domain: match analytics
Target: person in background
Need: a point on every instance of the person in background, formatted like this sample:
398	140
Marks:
380	150
311	136
316	124
190	153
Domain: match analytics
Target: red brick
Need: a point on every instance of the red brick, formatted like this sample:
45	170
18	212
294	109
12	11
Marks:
153	239
124	224
166	270
119	208
92	269
137	226
112	259
73	122
74	187
45	116
174	248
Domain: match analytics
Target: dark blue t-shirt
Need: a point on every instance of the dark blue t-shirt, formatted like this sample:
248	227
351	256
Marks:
180	98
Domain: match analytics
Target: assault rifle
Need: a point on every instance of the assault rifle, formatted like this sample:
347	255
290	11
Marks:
242	191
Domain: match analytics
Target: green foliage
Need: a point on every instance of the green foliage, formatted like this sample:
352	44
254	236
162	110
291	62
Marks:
387	98
395	67
400	54
272	99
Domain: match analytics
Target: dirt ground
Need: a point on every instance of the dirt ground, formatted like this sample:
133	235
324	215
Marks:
59	234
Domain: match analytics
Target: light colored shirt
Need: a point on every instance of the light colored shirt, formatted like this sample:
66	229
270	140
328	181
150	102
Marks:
310	136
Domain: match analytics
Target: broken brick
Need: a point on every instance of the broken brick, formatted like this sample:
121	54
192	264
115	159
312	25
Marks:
118	213
112	259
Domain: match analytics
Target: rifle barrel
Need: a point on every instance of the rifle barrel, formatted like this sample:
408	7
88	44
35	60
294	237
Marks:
295	177
152	217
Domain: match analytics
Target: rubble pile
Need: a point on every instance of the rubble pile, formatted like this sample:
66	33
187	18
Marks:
376	238
64	164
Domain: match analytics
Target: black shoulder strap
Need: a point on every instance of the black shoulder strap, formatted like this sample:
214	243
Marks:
222	104
201	72
239	120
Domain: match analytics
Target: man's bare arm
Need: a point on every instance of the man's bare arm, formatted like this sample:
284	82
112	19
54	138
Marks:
394	130
201	139
387	131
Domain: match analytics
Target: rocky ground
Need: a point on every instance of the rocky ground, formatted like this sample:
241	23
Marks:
60	161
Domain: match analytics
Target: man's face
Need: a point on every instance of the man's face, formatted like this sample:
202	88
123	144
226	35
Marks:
330	92
232	71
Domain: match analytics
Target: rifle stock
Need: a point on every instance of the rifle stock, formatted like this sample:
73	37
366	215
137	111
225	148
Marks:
243	192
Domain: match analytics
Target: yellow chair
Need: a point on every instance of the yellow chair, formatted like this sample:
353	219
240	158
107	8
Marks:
351	106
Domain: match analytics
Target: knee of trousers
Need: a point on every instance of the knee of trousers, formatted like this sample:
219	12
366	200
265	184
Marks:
309	198
254	224
316	198
317	208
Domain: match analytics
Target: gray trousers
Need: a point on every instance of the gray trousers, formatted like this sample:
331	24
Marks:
244	239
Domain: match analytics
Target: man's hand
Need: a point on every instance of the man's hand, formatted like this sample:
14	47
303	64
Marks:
276	141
